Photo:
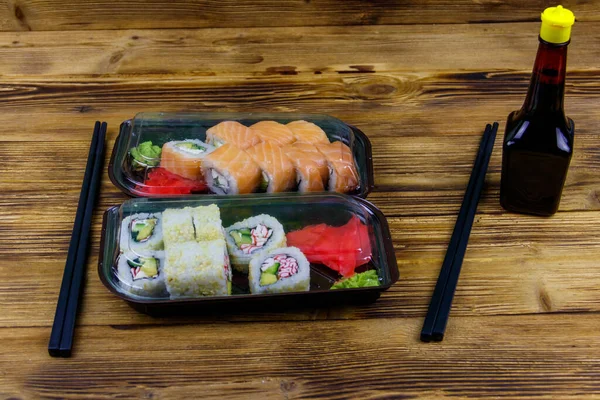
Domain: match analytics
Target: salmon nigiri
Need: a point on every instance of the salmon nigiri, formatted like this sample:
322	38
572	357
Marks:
278	173
232	132
230	170
272	131
343	176
312	173
308	132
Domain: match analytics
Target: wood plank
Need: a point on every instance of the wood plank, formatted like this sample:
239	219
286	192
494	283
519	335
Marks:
286	51
390	105
62	15
505	357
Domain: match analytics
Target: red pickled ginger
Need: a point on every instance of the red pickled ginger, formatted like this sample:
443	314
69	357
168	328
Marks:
341	248
161	181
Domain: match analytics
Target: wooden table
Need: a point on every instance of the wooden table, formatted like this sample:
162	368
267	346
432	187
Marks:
421	79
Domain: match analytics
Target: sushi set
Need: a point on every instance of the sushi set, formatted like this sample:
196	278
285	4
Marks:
161	154
320	248
241	210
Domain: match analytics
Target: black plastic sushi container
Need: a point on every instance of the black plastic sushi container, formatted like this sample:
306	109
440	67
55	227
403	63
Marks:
120	258
145	175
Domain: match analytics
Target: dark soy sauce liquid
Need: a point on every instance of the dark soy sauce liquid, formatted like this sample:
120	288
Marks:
538	140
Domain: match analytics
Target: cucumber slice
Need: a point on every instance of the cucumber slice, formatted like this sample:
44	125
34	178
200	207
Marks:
264	182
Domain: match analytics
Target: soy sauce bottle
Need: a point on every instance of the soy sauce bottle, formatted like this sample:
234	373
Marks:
538	140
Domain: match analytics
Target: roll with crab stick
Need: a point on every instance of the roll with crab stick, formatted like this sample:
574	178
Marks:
252	235
142	275
279	270
141	233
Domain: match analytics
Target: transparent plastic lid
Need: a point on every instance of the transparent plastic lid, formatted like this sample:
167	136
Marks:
162	154
238	246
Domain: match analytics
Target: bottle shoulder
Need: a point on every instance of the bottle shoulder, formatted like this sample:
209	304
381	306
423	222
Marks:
547	133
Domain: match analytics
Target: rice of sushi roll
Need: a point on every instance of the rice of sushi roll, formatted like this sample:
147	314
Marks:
177	226
252	235
141	233
207	223
142	275
195	269
279	271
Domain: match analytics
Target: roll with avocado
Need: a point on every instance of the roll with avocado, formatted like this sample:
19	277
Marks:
142	275
251	236
279	270
142	233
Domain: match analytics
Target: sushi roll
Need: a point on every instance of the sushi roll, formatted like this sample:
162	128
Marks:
195	269
252	235
141	233
232	132
278	271
278	173
184	157
307	132
178	226
343	177
142	275
207	223
312	173
230	170
273	132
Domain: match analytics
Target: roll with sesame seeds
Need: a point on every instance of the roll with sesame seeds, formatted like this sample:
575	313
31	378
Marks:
178	226
196	269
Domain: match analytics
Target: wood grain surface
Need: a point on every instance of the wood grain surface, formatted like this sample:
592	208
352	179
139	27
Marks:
421	79
54	15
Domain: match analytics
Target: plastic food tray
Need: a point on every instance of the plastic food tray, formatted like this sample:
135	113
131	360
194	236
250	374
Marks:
160	128
294	211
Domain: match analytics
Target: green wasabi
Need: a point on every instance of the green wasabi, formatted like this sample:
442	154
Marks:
145	155
364	279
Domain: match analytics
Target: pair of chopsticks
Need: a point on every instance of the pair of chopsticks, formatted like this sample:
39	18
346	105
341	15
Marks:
441	301
61	338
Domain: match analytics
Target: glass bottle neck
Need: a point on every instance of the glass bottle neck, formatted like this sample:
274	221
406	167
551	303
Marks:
547	86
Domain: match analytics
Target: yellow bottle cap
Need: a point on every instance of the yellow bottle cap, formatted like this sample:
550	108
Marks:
556	24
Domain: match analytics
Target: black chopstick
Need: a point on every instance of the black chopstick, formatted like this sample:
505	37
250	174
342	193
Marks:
444	311
439	309
61	305
436	298
62	330
66	342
